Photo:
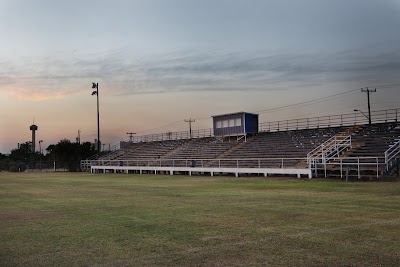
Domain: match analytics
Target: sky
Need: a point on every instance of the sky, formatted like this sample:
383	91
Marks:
159	62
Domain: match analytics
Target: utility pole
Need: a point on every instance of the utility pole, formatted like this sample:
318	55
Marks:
169	135
368	91
190	125
131	136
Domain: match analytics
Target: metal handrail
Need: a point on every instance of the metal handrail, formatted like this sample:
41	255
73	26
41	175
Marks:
348	119
323	153
392	152
257	162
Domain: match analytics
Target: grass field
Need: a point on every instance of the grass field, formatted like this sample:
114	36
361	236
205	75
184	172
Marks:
75	219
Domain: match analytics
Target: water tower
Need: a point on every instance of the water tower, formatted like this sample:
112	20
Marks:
33	128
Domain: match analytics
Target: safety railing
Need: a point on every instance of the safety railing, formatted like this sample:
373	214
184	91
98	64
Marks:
380	116
391	153
217	163
368	166
328	150
201	133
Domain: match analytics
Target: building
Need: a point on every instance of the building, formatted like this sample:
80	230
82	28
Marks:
235	124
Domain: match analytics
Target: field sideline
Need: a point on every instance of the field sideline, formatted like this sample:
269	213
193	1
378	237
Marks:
81	219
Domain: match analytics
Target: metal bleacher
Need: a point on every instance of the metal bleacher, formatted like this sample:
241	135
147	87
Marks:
280	145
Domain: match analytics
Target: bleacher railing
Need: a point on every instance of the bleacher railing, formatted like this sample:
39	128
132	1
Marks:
357	166
356	118
328	150
391	153
217	163
201	133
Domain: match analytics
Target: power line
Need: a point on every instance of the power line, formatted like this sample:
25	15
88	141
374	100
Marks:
157	128
309	102
317	100
386	86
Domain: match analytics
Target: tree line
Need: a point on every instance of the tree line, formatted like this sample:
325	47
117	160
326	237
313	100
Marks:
65	154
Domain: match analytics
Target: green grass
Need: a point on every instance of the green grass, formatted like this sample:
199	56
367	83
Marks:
67	219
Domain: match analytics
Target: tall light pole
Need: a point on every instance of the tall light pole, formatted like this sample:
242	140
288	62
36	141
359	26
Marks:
96	86
40	151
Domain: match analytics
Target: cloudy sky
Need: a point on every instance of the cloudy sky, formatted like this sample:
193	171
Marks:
159	62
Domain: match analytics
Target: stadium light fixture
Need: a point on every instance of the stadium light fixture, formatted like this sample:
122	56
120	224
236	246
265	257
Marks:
96	92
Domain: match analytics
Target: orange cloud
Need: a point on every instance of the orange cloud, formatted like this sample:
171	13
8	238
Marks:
33	94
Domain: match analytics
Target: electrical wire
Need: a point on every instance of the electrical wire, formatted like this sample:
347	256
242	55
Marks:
161	127
309	102
296	105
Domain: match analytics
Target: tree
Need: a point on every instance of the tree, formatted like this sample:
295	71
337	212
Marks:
69	155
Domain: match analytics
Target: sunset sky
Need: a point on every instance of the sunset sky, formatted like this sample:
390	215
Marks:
159	62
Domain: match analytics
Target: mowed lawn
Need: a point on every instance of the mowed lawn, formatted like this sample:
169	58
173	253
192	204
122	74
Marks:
81	219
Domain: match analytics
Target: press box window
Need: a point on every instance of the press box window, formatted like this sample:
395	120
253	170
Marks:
238	122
